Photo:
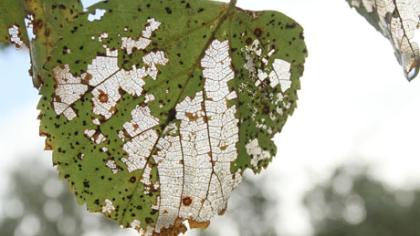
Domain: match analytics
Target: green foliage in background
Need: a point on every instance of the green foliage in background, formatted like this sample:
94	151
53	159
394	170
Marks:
351	203
38	203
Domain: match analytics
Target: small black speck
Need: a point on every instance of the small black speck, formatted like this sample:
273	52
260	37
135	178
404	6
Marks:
168	10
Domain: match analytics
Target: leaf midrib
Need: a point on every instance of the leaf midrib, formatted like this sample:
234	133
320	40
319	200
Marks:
223	18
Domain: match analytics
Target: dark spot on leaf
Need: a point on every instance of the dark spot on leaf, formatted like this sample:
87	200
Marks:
171	115
248	41
258	32
266	109
187	201
149	220
168	10
291	25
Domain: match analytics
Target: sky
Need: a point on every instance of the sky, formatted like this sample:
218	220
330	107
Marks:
355	107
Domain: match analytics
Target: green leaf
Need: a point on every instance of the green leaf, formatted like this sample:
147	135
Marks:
397	20
155	109
12	24
49	19
45	19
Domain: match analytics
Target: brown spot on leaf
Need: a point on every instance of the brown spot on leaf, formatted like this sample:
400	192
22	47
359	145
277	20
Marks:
174	230
191	116
113	109
224	147
187	201
37	25
222	212
87	77
48	145
43	133
258	32
103	97
198	225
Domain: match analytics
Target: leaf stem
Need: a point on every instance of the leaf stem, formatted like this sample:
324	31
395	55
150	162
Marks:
232	4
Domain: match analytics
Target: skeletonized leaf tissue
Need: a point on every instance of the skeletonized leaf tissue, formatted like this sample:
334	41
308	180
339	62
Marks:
399	21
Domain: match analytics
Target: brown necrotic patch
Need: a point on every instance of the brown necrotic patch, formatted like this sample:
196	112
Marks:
187	201
103	97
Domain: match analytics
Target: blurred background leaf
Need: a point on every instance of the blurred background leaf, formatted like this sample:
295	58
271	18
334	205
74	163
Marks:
37	203
353	203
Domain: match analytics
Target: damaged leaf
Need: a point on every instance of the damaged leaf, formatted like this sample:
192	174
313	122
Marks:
399	21
154	109
12	23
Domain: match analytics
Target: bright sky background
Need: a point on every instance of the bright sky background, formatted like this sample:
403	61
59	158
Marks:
355	106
